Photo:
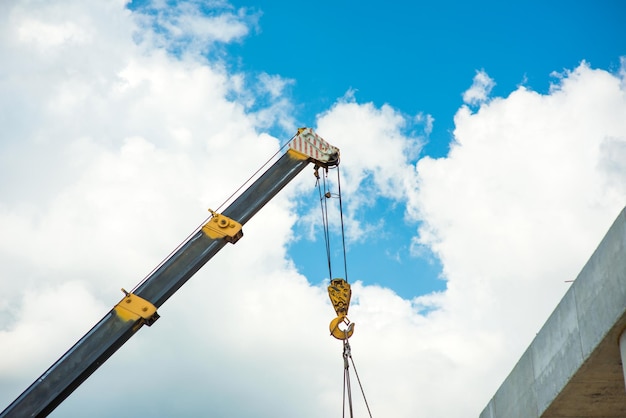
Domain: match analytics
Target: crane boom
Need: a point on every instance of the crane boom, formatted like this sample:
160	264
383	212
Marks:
140	307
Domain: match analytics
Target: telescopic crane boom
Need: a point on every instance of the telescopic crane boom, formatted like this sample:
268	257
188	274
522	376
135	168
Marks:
140	307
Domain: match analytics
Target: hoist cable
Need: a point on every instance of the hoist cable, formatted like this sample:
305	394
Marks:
324	196
327	228
324	208
343	235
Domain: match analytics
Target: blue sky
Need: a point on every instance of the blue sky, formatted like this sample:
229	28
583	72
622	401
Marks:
483	159
419	57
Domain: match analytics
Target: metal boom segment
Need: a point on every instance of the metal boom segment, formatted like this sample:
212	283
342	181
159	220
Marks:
139	308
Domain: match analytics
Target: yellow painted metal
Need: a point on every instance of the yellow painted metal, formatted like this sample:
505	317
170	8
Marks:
220	226
134	308
338	333
297	155
340	293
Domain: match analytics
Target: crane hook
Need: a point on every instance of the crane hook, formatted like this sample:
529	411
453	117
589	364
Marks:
339	292
338	333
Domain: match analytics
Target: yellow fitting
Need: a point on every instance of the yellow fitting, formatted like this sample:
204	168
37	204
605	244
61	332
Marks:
135	308
220	226
338	333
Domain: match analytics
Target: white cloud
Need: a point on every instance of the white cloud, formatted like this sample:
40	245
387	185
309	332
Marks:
39	317
193	26
519	204
47	35
111	153
379	148
112	150
274	85
480	89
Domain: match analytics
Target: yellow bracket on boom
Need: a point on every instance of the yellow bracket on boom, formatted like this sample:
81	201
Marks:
340	294
220	226
133	308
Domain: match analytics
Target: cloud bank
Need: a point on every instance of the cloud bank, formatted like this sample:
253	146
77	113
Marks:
117	138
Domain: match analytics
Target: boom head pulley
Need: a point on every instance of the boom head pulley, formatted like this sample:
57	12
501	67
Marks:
309	145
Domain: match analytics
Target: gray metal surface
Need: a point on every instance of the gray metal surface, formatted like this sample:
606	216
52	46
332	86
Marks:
110	333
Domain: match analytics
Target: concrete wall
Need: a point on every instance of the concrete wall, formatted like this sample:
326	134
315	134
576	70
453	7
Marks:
566	367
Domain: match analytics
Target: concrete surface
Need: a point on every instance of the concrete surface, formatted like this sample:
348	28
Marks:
573	367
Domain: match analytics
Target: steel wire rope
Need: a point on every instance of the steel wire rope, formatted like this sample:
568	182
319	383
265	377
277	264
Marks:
360	385
325	224
199	227
343	399
343	235
346	378
347	354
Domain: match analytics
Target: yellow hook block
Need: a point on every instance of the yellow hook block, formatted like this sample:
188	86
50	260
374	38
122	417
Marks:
338	333
340	293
